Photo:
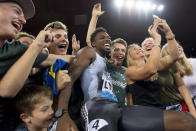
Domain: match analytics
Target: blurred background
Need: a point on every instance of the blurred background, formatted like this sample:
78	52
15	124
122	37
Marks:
120	20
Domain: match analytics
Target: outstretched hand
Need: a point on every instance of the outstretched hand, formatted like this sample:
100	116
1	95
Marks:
163	26
75	45
152	30
97	10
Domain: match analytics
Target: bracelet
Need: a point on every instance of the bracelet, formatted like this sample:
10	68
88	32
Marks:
170	37
156	45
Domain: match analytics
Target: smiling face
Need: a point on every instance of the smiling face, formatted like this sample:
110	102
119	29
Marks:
42	114
102	43
136	52
60	42
118	53
147	46
11	20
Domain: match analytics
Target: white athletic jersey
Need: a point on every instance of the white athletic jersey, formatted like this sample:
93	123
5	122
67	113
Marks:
96	81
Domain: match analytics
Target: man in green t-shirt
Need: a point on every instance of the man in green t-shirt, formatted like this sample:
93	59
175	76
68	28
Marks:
117	70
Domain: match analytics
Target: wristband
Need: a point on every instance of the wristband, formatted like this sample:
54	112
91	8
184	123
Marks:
170	37
156	45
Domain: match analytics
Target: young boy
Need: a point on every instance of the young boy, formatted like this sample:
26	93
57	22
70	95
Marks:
34	105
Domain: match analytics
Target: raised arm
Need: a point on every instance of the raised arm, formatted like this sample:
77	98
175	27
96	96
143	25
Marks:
184	93
96	12
134	73
14	79
167	61
83	59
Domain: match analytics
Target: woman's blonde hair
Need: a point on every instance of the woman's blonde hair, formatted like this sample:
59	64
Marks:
131	62
183	65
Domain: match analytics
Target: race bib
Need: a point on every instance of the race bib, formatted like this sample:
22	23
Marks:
107	88
97	124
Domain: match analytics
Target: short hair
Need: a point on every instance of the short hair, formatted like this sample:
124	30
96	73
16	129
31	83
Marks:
98	30
121	41
56	25
148	38
31	95
24	34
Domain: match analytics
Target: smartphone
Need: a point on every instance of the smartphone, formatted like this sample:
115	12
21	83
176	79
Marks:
155	16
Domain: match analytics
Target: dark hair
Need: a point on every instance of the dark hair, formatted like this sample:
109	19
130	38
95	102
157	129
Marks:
31	95
93	35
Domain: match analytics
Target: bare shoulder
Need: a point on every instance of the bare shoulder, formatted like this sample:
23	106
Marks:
88	52
85	55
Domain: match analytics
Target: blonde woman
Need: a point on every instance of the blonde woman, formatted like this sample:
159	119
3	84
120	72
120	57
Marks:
139	71
187	69
172	81
143	84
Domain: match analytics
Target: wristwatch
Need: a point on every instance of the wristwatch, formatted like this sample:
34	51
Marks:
60	113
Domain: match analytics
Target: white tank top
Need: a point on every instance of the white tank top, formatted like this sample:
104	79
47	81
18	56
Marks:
96	81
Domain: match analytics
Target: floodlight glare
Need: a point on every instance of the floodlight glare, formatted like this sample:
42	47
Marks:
119	3
139	4
154	6
160	8
129	4
147	6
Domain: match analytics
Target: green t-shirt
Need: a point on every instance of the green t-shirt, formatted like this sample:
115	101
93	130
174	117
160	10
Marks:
169	90
10	52
119	82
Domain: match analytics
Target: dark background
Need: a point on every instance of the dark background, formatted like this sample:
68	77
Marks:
76	14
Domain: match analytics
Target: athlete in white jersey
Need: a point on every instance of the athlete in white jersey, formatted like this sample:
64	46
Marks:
96	81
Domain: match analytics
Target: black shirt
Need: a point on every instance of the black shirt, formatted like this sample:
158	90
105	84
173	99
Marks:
146	93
